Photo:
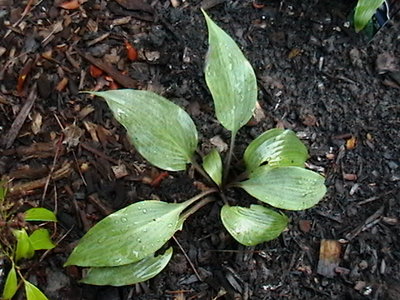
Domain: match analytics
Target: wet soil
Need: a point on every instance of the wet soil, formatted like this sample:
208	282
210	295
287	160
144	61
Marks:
338	91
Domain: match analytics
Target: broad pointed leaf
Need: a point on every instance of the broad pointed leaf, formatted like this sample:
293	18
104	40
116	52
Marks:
364	11
278	147
254	225
292	188
32	292
128	274
40	214
212	164
11	285
40	239
128	235
24	246
161	131
230	78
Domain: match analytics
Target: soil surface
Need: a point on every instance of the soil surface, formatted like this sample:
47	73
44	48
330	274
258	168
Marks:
338	91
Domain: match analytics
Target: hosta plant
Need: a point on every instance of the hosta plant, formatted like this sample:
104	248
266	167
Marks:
128	246
22	246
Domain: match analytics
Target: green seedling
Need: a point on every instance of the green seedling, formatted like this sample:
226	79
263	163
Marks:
127	246
24	246
364	11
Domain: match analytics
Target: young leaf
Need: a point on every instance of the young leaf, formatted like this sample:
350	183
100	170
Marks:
11	285
230	78
128	274
364	11
162	132
292	188
3	190
254	225
278	147
212	164
40	239
24	246
128	235
32	292
40	214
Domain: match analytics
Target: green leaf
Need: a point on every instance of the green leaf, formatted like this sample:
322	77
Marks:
364	11
32	292
212	164
230	78
24	246
128	235
3	190
254	225
292	188
128	274
11	285
162	132
40	239
278	147
40	214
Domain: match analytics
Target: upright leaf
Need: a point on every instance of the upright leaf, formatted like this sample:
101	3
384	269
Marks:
364	11
230	78
32	292
161	131
278	147
212	164
292	188
24	246
128	235
254	225
128	274
11	285
40	214
40	239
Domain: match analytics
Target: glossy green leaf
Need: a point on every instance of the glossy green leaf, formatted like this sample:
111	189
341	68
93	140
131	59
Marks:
212	164
24	246
278	147
161	131
128	274
128	235
292	188
32	292
11	285
40	214
230	78
40	239
254	225
364	11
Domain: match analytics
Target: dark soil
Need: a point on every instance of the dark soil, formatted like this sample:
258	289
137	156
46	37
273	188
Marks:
316	76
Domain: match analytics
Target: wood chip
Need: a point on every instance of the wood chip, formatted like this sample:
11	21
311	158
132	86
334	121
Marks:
329	257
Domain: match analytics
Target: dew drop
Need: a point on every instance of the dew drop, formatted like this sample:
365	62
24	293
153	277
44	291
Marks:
139	240
170	225
144	211
124	220
118	260
100	240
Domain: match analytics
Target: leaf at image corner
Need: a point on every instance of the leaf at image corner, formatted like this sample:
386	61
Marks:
40	214
212	164
40	239
254	225
364	11
11	285
291	188
128	274
32	292
230	78
161	131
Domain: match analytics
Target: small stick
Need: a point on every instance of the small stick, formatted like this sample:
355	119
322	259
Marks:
188	259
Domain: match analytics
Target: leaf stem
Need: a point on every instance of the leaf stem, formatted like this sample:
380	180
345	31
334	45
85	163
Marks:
229	158
200	169
196	207
199	196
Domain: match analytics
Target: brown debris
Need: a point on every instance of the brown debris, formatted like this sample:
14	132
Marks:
136	5
329	257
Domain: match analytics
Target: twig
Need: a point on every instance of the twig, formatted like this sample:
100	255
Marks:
229	158
188	259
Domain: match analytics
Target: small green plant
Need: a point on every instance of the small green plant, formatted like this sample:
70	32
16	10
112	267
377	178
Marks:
121	249
364	11
16	245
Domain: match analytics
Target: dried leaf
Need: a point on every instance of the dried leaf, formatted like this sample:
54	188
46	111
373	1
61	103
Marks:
329	257
73	4
36	123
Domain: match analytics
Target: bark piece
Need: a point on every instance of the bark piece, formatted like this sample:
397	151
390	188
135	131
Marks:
329	257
